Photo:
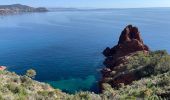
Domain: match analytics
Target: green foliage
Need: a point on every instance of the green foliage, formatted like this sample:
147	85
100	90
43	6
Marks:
45	86
139	59
128	98
163	65
2	72
147	88
43	93
16	89
157	62
149	84
1	97
107	87
26	80
165	80
31	73
152	71
82	96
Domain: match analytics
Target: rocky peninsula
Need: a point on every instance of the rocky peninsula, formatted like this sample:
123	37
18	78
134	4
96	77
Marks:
131	60
18	8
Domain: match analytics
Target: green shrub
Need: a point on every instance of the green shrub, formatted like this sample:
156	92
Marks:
128	98
13	88
16	80
163	65
82	96
1	97
16	89
43	93
31	73
154	63
21	97
165	81
26	80
45	86
107	87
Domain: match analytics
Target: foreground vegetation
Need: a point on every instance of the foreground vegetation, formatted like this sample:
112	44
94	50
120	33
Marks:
153	70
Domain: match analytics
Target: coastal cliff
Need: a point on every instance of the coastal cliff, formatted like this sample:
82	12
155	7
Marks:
130	44
131	60
18	8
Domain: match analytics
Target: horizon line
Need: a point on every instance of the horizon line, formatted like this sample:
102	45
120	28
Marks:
90	7
107	8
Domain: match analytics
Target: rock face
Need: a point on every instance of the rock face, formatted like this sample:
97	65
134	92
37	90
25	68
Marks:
130	42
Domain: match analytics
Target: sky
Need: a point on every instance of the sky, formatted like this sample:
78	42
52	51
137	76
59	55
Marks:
91	3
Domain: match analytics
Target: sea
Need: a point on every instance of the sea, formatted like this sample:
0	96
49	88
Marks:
65	47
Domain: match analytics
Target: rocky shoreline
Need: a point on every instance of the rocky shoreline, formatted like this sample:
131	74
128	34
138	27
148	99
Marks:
18	8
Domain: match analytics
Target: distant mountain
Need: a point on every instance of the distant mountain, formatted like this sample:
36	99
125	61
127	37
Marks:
18	8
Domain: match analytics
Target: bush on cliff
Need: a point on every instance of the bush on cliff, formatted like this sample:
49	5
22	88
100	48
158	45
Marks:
31	73
153	78
150	88
153	63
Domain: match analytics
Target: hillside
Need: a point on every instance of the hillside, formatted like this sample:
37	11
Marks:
18	8
15	87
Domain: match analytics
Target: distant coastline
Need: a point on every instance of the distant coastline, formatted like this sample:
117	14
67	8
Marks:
18	8
55	9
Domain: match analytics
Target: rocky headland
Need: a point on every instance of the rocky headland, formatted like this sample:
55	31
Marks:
129	44
18	8
131	60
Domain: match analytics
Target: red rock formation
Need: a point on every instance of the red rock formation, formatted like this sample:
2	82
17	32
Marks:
129	43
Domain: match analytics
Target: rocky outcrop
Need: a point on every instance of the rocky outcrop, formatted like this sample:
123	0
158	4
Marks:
129	41
18	8
115	71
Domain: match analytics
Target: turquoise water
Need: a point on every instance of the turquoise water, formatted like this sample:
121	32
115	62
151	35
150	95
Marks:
65	47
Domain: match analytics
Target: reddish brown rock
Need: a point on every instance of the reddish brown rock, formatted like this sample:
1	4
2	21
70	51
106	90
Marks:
129	43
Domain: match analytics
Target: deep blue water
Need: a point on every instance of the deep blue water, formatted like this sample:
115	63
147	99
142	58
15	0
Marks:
65	47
